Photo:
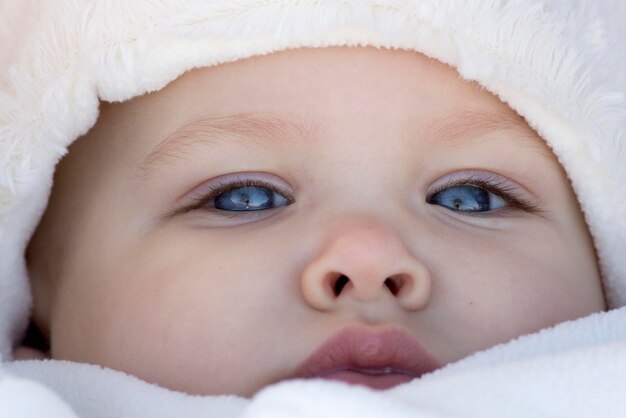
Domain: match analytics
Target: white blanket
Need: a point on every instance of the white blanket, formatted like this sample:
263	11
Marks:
576	369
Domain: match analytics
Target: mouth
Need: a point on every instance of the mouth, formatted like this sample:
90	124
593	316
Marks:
379	360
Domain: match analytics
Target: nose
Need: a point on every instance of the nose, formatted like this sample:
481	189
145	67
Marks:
365	262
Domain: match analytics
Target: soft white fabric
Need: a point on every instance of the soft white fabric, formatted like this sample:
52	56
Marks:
560	64
573	370
25	398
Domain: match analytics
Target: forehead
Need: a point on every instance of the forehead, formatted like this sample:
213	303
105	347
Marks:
303	93
321	82
363	76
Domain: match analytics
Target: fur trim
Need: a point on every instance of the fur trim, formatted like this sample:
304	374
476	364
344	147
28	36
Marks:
559	64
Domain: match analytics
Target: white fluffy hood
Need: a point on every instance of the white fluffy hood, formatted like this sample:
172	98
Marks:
559	64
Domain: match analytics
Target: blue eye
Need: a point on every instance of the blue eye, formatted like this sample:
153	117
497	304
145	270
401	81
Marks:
249	198
467	198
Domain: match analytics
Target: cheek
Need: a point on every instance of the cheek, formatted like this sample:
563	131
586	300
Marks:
197	310
496	288
203	312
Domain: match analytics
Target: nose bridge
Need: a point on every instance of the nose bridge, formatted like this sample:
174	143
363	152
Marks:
365	260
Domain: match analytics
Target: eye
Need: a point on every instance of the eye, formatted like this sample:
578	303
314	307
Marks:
249	198
474	192
238	194
467	198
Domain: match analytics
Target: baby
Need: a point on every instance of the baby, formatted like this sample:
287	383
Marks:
347	213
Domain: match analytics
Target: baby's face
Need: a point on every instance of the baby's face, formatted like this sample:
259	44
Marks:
211	236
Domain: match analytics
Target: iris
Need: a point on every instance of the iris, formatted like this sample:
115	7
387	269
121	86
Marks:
465	198
249	198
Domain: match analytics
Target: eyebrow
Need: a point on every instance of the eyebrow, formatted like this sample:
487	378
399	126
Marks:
266	128
459	127
260	127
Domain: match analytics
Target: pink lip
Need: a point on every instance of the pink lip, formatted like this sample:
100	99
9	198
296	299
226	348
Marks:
380	360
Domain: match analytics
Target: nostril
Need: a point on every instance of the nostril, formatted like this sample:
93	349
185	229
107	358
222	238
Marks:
340	281
395	283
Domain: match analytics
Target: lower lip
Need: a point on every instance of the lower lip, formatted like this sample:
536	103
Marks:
374	381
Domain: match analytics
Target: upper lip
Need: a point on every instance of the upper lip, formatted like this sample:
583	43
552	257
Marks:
370	352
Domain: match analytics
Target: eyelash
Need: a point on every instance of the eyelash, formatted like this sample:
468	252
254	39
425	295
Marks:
495	185
202	199
491	184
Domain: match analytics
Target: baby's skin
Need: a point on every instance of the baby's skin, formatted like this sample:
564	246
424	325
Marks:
357	214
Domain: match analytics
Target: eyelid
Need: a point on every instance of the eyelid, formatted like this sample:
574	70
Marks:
217	185
514	194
